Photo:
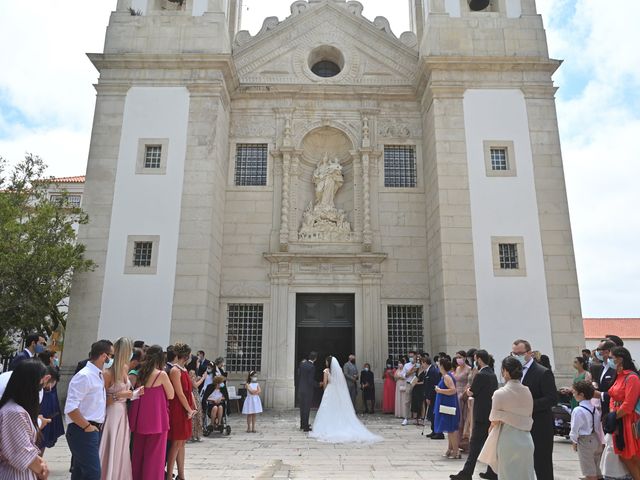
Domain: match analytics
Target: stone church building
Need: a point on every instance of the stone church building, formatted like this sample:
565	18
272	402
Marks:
326	185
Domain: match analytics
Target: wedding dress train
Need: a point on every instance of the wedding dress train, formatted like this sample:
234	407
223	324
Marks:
336	420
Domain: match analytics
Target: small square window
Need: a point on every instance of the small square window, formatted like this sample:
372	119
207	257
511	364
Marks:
499	158
251	164
400	166
152	156
508	256
142	254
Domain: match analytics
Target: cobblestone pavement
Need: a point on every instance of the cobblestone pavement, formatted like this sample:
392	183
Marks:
280	450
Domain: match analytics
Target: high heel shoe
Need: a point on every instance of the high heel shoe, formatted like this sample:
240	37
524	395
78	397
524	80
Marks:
455	457
447	454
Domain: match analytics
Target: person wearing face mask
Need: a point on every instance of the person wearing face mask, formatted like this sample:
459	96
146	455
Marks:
350	371
20	458
85	411
461	374
407	375
115	455
604	375
252	405
388	388
542	385
35	343
203	365
50	405
367	385
624	397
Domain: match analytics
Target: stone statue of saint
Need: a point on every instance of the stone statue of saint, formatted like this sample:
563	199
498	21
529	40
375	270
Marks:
328	179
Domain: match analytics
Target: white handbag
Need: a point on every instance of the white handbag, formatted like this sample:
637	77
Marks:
445	410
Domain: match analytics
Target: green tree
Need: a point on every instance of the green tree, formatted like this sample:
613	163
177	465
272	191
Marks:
38	250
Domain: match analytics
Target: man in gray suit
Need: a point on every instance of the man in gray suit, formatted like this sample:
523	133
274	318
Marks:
351	375
306	387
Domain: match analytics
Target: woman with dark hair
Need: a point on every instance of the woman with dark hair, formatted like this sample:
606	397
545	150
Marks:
582	375
509	448
50	405
389	388
19	454
624	395
149	417
181	410
447	409
462	374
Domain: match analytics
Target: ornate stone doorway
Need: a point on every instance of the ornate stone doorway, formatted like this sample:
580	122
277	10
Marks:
325	324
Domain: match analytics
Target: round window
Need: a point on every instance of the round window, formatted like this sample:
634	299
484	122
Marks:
326	61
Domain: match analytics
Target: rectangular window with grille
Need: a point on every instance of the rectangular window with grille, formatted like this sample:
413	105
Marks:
405	329
152	156
251	164
508	256
142	254
400	166
499	160
244	337
72	200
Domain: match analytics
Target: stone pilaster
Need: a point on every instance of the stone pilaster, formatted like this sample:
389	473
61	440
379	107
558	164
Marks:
86	298
555	229
195	316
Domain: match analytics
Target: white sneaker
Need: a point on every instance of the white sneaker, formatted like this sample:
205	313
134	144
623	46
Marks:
405	422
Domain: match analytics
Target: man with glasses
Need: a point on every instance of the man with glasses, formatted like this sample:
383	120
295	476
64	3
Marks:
542	385
604	375
85	411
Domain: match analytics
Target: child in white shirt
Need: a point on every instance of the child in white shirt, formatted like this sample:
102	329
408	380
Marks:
586	431
252	404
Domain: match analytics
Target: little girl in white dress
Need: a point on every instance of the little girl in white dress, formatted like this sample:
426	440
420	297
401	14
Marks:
252	404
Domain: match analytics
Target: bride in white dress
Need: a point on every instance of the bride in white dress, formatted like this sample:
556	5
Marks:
336	420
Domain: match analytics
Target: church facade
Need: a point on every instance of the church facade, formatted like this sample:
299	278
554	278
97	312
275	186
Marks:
326	185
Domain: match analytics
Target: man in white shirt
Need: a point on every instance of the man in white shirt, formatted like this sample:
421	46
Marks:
586	431
85	412
408	374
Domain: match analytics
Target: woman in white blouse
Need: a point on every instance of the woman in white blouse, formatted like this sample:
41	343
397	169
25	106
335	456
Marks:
511	414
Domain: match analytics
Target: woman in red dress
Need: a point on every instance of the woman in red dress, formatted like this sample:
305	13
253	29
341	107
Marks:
624	394
389	388
181	410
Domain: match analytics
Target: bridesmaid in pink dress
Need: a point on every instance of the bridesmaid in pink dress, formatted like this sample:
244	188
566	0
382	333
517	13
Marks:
114	444
149	417
389	388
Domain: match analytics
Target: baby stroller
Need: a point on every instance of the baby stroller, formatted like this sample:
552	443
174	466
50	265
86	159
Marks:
223	426
562	415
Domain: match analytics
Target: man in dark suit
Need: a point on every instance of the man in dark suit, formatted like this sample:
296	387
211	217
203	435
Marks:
432	379
33	344
484	384
542	385
604	375
202	369
306	387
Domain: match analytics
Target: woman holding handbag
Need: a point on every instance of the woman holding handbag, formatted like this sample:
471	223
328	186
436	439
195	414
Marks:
509	447
447	409
625	400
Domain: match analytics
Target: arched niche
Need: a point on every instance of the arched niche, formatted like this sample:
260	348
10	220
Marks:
315	144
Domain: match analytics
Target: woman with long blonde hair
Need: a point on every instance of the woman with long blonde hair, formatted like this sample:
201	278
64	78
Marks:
114	444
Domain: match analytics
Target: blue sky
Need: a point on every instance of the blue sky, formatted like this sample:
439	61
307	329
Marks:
47	101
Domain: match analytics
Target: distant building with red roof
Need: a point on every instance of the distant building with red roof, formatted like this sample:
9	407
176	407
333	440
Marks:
628	329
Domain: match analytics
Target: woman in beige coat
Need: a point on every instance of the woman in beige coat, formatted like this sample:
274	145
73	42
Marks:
509	450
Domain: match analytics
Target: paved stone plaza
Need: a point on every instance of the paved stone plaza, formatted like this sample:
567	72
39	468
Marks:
280	450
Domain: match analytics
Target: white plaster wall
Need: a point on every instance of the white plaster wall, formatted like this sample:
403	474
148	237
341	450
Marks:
452	7
136	305
508	307
514	8
141	5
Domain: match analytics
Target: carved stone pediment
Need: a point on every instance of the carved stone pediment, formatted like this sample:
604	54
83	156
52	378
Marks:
280	53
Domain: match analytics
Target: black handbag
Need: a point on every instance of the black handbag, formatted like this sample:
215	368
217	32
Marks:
610	424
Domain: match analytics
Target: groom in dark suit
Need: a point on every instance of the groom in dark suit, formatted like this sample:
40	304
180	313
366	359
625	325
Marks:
542	385
484	384
306	386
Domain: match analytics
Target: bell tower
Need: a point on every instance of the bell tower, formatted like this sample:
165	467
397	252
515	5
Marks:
155	175
487	90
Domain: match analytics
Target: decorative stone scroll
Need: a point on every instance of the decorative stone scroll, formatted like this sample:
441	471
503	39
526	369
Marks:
321	220
394	129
